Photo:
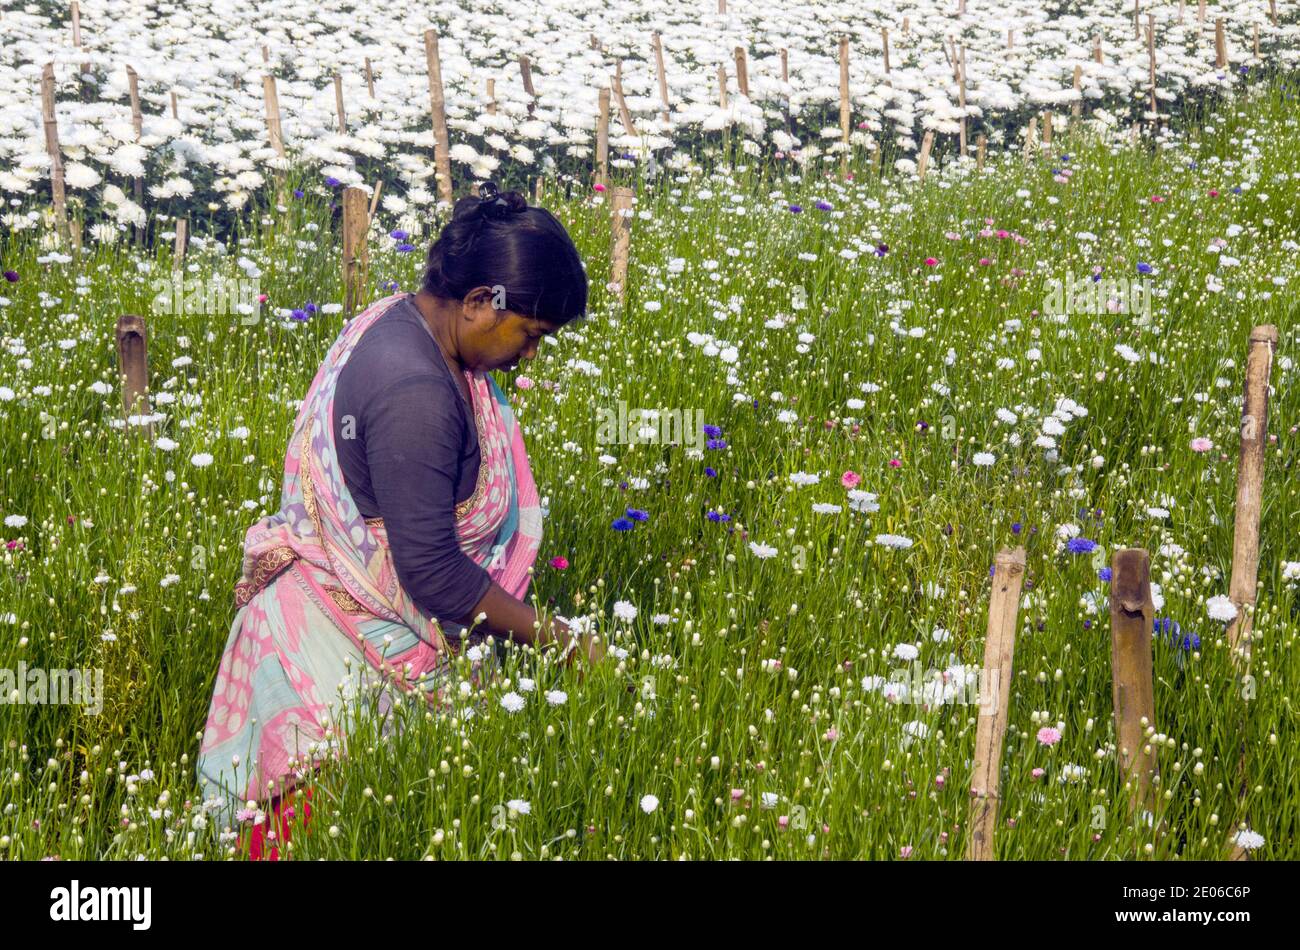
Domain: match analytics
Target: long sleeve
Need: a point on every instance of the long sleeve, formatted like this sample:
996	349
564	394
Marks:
413	433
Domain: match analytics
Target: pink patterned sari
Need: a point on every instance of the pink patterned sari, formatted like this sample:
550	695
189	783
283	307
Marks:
320	612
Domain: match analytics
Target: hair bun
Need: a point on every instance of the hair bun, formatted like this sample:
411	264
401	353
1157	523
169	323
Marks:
494	204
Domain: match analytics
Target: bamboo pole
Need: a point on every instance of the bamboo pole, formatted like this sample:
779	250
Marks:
1151	62
722	86
1132	620
1272	11
1031	138
1047	130
663	77
1076	108
981	146
1137	22
1220	45
537	191
621	237
370	78
844	105
961	101
1250	484
1200	11
526	74
133	366
272	101
76	33
722	6
137	123
884	45
266	53
742	71
492	97
1255	38
438	108
1182	8
1011	40
175	111
374	202
356	257
923	160
1096	48
785	65
338	104
180	244
995	701
625	114
57	188
602	140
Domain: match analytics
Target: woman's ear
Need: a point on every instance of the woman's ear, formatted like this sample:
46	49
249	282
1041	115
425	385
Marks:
482	300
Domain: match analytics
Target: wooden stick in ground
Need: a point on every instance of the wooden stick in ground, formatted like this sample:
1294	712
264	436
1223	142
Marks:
1076	108
742	71
1255	38
624	113
663	78
923	159
1011	42
1096	48
981	146
438	108
374	202
722	86
526	75
133	365
1151	63
370	79
272	101
175	111
1220	45
621	224
1182	4
76	32
884	45
266	53
137	123
338	104
356	258
1272	11
785	65
722	6
179	246
1250	484
1200	11
537	191
1137	22
492	97
995	701
1031	138
844	106
961	101
602	140
57	188
1132	619
1047	129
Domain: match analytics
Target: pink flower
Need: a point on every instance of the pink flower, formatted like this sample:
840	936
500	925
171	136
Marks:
599	187
931	262
939	780
783	822
905	852
779	155
895	463
985	262
1201	444
262	298
1036	773
850	479
560	563
952	235
1003	235
1049	736
1157	199
1214	192
523	382
831	734
737	794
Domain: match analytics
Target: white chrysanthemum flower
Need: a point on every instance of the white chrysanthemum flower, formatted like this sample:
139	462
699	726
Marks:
649	803
906	651
624	611
763	551
165	444
983	458
519	806
1220	607
201	459
556	697
512	702
895	541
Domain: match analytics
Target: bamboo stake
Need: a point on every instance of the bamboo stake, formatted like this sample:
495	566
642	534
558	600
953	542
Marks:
923	160
370	78
266	53
133	366
1096	48
1255	38
1011	39
663	78
602	141
438	107
492	96
76	32
356	257
1137	23
175	111
1076	109
1182	6
995	701
1250	483
1132	619
621	225
526	74
137	123
722	86
981	145
1200	11
1151	62
722	6
961	101
338	104
537	191
906	25
1047	129
1272	11
624	113
844	105
742	71
785	65
273	114
52	147
884	45
374	202
1031	138
1220	45
180	244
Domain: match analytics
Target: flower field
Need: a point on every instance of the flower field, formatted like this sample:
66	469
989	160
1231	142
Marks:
893	380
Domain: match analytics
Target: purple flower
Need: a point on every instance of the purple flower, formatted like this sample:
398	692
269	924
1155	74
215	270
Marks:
621	524
636	514
332	182
710	473
1144	267
299	315
310	307
716	444
1016	527
1080	546
824	206
712	431
882	250
297	192
398	235
1105	574
11	276
390	285
404	248
795	209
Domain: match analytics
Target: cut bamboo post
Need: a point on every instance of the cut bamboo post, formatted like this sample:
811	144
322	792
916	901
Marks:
595	42
492	97
1151	62
175	111
884	46
1076	108
338	104
1250	484
621	225
961	102
137	124
1137	22
266	53
844	106
785	65
742	71
356	257
76	33
537	190
602	140
438	108
57	188
133	366
1096	48
1011	41
374	202
180	244
722	86
1200	11
272	101
1047	130
1220	45
906	25
526	75
663	77
1182	7
370	79
624	113
923	159
1272	11
1031	138
981	146
722	7
995	701
1255	38
1132	620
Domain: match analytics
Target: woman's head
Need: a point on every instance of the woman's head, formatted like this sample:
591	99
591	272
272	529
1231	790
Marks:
512	270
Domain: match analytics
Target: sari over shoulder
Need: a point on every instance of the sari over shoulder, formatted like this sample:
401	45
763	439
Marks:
319	609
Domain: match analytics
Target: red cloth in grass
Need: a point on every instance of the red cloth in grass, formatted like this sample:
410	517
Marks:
280	818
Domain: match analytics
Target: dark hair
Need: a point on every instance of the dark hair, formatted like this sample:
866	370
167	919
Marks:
499	240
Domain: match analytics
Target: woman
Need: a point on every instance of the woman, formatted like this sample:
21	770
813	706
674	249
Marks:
409	520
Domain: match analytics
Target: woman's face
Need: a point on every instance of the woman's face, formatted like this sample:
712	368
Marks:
500	338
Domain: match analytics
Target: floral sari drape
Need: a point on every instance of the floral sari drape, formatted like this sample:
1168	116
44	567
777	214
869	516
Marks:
320	611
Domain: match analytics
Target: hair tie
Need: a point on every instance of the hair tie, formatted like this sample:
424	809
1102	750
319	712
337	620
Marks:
494	205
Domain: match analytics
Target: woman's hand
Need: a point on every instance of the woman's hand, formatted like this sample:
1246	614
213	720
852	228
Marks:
586	649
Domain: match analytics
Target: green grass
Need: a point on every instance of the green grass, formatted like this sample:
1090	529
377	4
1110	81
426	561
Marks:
695	711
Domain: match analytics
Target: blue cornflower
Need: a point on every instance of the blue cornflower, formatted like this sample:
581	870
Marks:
332	181
390	285
1080	546
1144	267
710	473
636	514
824	206
297	192
1105	574
621	524
398	235
404	248
795	209
1236	189
299	315
1065	158
716	444
1016	527
882	250
310	307
712	431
